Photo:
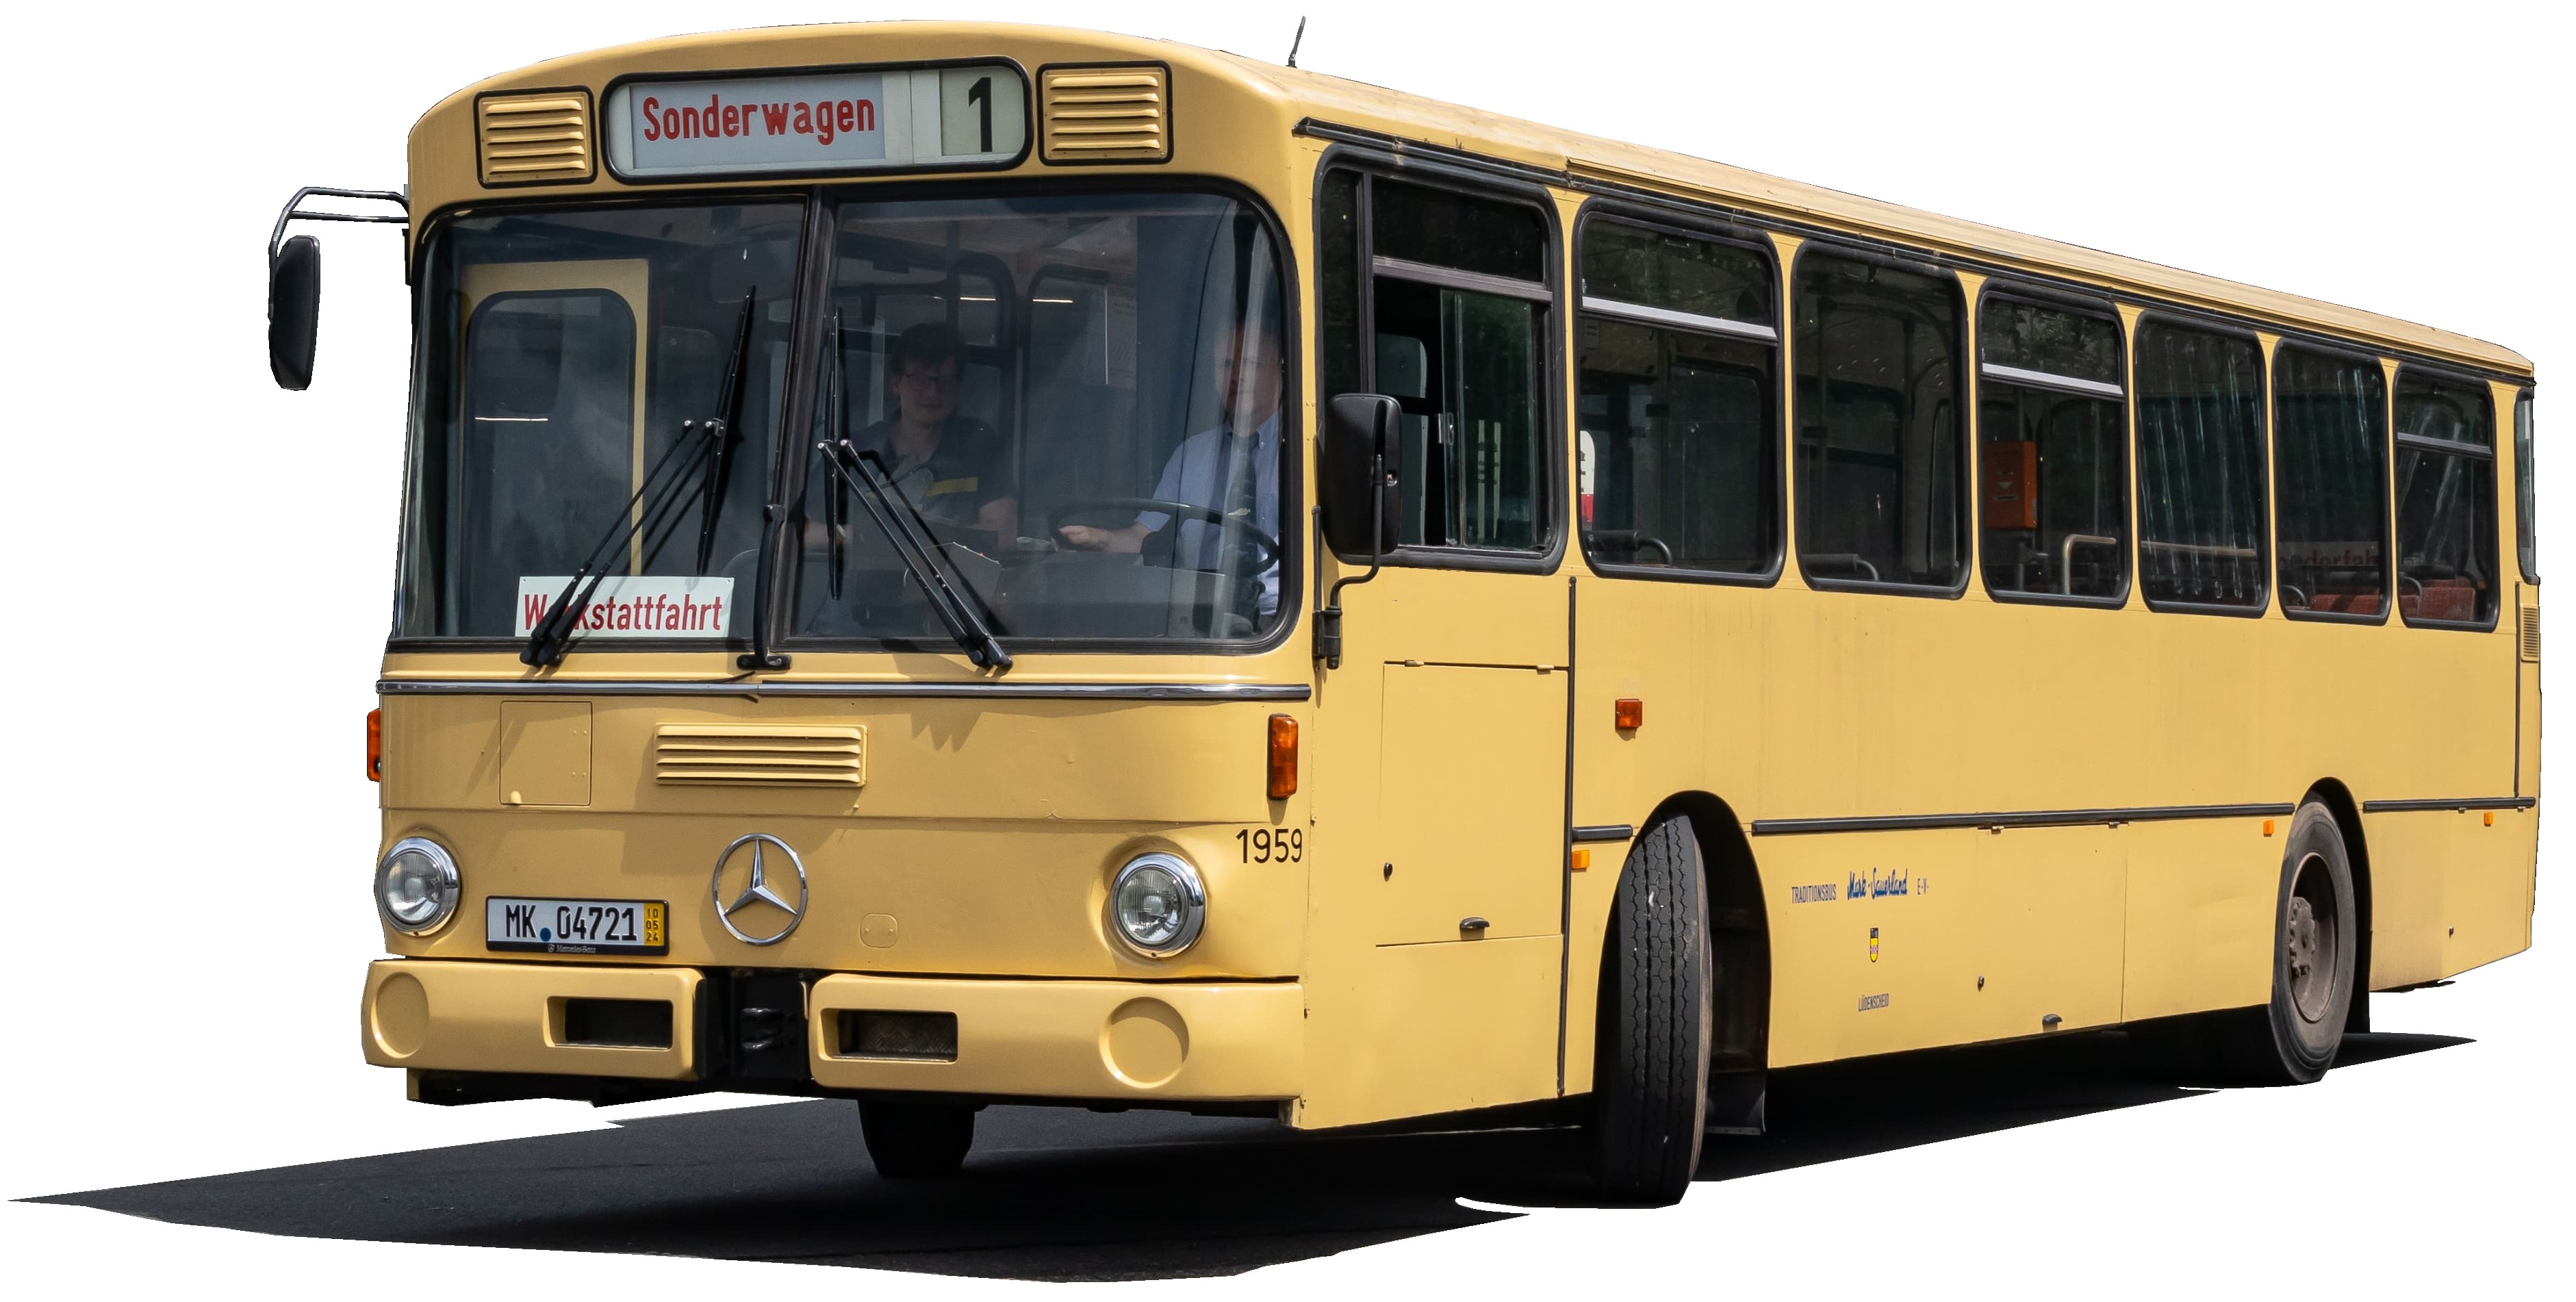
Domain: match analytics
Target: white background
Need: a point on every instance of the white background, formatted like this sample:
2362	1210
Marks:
203	561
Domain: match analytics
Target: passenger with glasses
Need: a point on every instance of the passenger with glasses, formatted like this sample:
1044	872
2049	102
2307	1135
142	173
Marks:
953	467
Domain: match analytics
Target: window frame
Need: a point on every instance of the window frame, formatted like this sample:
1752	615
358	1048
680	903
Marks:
2264	562
2493	455
793	407
2526	482
2387	446
1711	231
1554	489
1961	358
2073	303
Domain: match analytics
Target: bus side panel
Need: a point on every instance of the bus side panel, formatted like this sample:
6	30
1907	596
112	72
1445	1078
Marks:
1855	972
2201	898
1694	655
2408	857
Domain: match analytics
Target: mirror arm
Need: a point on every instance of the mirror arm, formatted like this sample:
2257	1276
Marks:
1328	621
292	211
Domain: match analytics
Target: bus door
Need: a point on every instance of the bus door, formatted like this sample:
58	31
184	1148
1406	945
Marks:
1463	639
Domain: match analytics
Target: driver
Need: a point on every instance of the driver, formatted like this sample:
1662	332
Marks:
1232	468
951	466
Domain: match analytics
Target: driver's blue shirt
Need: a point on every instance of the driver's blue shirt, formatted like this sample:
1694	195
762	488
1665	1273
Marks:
1196	473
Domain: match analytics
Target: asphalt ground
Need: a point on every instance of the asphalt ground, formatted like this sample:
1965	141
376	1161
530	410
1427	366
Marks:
1069	1194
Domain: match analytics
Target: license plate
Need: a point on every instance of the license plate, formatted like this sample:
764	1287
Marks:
576	926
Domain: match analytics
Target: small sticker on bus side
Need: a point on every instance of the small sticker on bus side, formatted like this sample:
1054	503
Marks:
1868	1002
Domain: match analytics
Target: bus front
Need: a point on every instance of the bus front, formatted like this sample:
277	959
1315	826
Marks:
849	558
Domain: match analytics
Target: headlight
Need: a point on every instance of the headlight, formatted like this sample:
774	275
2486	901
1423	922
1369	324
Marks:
1157	905
416	885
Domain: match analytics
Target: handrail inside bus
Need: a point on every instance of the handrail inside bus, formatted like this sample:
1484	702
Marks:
2066	558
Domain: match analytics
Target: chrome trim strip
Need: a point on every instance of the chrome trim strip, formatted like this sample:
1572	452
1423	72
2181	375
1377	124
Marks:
1604	832
2049	380
2019	818
2462	805
1707	325
916	691
1479	282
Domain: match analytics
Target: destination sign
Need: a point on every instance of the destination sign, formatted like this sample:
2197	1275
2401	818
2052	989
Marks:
846	120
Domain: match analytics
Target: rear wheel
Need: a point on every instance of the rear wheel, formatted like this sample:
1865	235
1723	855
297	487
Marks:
1650	1077
917	1141
2293	1040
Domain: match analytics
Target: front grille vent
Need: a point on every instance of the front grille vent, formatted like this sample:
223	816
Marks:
1106	114
767	755
534	138
2531	634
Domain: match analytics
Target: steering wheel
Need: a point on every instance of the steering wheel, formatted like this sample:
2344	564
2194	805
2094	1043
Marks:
1264	544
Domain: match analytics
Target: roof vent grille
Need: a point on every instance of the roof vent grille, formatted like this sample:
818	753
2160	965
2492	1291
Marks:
1106	114
534	138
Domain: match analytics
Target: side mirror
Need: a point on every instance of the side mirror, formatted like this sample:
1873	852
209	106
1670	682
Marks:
1356	473
294	310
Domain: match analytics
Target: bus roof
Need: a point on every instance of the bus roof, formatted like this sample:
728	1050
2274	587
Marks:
1569	157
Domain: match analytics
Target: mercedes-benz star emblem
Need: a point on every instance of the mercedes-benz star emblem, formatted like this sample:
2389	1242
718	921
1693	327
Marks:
756	889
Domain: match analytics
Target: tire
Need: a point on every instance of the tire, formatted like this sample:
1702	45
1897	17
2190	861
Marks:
2315	936
917	1141
1650	1076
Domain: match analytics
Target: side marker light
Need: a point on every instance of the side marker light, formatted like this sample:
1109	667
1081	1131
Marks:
375	745
1628	713
1283	756
1582	860
2490	818
2267	827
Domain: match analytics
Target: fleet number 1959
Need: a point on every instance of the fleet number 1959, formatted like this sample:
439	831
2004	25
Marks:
1272	845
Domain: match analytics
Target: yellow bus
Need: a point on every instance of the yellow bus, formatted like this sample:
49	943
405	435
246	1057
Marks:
946	564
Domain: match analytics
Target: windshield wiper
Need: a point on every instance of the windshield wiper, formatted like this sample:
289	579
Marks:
666	491
910	537
728	415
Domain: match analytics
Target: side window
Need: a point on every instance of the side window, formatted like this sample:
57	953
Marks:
1450	293
2446	525
2201	533
2329	435
2526	502
2052	416
1678	363
1880	469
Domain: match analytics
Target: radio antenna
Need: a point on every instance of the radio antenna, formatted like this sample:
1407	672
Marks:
1299	40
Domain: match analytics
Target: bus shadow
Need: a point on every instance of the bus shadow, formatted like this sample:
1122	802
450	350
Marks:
1065	1194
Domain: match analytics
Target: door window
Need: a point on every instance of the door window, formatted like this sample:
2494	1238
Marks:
1450	291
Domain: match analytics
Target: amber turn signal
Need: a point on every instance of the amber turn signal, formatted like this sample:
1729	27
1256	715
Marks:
1629	712
375	745
1283	756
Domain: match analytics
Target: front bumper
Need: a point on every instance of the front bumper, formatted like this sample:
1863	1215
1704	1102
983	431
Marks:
1040	1039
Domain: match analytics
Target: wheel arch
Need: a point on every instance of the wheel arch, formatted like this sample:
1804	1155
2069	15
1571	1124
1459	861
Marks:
2338	801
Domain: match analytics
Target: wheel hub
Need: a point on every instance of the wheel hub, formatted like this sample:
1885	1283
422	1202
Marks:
2308	942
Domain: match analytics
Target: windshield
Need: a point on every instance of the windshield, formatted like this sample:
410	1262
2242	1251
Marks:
1078	399
561	353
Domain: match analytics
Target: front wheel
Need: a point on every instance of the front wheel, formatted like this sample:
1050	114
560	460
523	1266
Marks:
916	1141
1650	1077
